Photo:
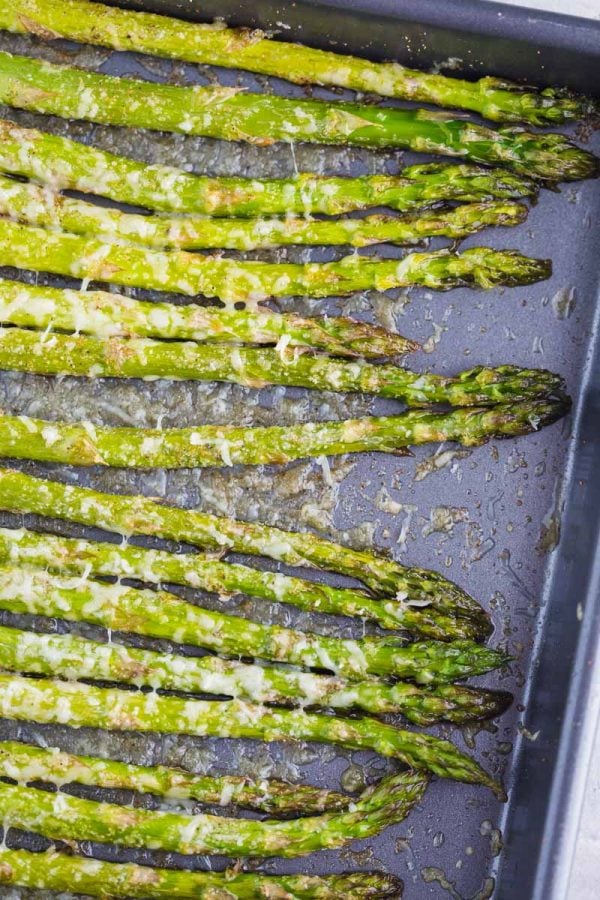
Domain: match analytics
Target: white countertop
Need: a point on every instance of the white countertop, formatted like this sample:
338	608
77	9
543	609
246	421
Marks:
589	9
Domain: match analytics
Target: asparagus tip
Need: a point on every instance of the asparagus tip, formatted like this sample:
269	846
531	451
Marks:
483	626
500	701
512	419
511	383
534	416
411	346
499	790
553	157
495	268
580	165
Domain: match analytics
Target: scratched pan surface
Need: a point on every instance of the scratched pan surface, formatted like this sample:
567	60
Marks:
490	518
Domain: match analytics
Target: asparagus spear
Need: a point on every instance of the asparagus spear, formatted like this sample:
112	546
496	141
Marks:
90	357
230	114
144	32
80	705
111	315
36	205
80	256
164	615
224	577
61	872
63	163
74	658
85	444
26	762
63	817
130	514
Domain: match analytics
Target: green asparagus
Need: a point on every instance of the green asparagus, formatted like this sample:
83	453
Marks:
144	32
63	817
85	444
66	164
81	705
37	205
225	578
235	281
231	114
111	315
25	762
74	658
130	514
164	615
91	357
75	874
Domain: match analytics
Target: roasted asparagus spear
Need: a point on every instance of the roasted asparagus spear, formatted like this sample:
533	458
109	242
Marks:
144	32
81	705
107	315
63	163
72	657
37	205
63	817
93	877
250	281
85	444
85	356
230	114
25	762
128	515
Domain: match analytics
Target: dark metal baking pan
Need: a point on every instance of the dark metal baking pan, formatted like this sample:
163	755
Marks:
490	519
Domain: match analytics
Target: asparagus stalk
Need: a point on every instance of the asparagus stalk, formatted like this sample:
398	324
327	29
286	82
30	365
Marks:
111	315
164	615
85	444
67	164
63	817
121	29
226	578
74	658
90	357
230	114
130	514
234	281
81	705
25	762
36	205
97	878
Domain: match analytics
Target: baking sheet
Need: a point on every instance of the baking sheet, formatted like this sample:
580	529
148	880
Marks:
489	518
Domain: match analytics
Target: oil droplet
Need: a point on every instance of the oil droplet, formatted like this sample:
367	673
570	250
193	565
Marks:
444	518
487	829
438	460
431	875
353	779
564	302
